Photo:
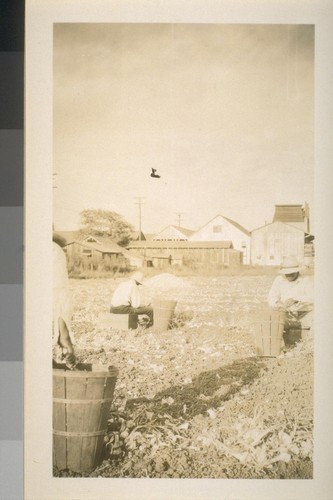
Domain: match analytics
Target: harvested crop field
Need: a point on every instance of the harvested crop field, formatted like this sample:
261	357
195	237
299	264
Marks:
196	401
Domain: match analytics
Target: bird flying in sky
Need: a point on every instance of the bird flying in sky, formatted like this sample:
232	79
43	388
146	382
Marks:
154	174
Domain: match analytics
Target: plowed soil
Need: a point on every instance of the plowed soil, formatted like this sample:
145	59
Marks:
196	401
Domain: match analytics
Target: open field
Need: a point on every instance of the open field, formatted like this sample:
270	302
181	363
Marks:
195	401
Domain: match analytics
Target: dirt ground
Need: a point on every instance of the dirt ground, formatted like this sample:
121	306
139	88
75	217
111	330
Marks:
196	401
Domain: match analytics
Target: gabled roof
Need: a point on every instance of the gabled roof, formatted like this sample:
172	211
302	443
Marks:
289	213
234	223
150	236
182	230
279	222
90	237
106	247
238	226
181	244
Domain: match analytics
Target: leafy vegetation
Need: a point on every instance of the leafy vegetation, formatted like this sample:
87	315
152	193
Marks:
195	401
106	224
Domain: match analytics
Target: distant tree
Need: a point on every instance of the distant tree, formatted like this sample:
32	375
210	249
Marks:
103	223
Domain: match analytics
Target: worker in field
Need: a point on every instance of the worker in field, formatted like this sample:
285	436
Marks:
62	337
294	293
126	300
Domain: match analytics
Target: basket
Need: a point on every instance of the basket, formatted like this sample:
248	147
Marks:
269	333
163	312
81	406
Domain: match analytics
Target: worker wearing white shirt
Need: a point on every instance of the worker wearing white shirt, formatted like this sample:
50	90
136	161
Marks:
126	299
294	294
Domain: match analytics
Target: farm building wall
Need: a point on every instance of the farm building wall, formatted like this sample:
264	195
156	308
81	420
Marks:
93	258
226	257
220	229
298	225
295	215
161	261
132	259
170	254
270	243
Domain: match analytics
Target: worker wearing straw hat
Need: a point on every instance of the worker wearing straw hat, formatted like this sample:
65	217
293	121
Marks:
293	293
126	299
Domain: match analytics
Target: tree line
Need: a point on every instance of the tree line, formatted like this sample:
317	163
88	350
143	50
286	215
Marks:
106	224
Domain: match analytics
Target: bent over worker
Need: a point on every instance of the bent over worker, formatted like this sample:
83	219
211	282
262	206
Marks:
293	293
126	299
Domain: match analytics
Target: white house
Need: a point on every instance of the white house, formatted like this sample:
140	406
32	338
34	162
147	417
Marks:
224	229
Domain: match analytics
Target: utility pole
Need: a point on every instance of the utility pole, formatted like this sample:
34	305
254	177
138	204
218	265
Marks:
139	202
179	215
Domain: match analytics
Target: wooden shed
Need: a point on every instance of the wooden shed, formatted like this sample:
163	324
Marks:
160	260
272	242
212	253
95	254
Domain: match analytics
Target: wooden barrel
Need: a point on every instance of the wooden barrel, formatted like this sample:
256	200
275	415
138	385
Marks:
163	312
269	332
81	406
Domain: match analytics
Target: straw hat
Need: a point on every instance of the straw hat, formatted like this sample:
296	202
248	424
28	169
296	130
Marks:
138	277
289	265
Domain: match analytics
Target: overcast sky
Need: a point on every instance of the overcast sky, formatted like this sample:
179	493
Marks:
225	113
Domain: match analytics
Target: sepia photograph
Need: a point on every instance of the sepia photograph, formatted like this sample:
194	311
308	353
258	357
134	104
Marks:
177	291
183	239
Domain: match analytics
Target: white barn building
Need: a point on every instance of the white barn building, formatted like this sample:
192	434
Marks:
222	228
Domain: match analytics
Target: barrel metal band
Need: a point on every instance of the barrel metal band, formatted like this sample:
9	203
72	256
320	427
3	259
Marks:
82	401
79	434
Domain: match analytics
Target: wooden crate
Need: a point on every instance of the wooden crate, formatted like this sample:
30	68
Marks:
117	321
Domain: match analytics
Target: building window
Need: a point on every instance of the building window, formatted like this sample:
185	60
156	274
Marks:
86	252
217	229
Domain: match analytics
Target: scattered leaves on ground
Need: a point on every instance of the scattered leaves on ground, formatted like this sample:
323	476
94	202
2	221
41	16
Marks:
195	401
